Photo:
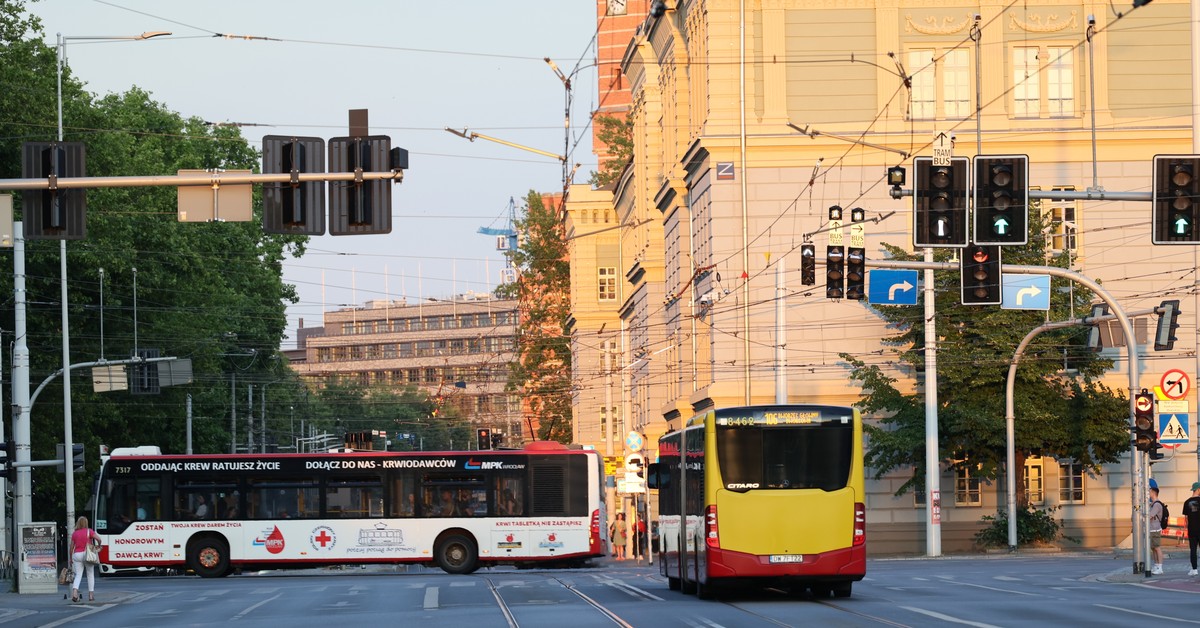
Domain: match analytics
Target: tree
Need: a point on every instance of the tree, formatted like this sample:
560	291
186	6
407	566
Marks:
1065	413
543	367
617	134
195	283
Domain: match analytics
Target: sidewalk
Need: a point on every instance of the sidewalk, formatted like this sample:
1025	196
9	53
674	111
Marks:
1174	576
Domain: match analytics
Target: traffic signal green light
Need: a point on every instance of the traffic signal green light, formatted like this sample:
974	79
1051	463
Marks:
981	275
940	203
1001	199
1176	199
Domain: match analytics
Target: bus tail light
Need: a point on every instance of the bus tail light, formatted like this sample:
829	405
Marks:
860	523
711	536
594	537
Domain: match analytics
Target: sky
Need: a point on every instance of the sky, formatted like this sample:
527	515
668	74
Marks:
417	67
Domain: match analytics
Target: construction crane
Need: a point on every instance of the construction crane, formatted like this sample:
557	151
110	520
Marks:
506	240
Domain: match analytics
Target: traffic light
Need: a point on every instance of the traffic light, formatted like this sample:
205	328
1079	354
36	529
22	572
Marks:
1145	435
856	273
360	207
940	203
294	207
1095	336
10	459
54	214
1175	199
835	284
808	264
77	456
981	275
484	438
1168	322
1001	199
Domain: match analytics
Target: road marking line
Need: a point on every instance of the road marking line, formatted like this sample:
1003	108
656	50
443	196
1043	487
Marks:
980	586
431	598
948	618
79	616
1150	615
254	606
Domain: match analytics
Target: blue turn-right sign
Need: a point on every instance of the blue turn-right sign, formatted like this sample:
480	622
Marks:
892	287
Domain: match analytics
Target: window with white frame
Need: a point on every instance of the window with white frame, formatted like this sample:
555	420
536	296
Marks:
967	490
941	83
608	283
1062	222
1070	483
1035	488
1043	81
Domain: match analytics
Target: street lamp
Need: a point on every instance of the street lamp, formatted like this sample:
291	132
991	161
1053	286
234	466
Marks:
66	345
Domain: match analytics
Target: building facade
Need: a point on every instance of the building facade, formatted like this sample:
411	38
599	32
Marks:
456	350
753	117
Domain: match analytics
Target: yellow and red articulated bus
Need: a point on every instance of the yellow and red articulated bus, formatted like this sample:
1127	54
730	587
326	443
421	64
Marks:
458	510
765	495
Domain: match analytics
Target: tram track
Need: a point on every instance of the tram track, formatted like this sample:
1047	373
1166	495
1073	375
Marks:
511	619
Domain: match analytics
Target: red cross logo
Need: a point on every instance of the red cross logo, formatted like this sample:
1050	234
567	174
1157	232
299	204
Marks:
323	538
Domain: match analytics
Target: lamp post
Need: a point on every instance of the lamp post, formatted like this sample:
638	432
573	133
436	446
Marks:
66	344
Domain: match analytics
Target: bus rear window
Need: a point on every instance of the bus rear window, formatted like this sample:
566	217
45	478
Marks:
783	457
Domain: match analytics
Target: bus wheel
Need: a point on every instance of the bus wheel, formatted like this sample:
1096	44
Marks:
209	557
672	583
842	589
456	554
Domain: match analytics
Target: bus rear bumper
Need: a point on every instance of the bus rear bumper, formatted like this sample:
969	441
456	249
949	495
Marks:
844	564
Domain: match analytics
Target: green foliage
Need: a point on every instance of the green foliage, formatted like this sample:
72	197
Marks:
617	134
543	369
1033	526
1061	413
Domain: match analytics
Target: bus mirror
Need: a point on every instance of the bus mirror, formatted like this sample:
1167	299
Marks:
652	475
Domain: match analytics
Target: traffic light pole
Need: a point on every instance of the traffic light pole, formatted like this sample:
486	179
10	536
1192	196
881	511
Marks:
1137	462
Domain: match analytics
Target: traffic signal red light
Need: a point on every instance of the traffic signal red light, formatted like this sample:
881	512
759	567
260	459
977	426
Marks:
483	438
1145	434
981	275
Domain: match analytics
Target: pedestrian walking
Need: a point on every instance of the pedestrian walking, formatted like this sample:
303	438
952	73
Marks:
1191	510
80	538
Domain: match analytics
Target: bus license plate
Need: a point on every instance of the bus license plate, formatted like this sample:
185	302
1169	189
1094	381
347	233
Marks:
787	558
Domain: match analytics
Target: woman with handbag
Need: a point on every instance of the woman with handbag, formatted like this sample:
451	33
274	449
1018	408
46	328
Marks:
85	553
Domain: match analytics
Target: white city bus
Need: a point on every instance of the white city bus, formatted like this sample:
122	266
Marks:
457	510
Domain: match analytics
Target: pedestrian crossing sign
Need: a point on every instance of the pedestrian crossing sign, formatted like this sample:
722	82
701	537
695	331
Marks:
1173	428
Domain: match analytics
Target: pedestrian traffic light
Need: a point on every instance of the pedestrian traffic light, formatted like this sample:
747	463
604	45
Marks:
808	264
55	213
940	203
484	438
856	273
294	207
77	456
981	275
1001	199
1145	436
360	207
1175	198
1168	322
835	277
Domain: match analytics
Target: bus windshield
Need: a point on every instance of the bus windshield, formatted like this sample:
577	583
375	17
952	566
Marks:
785	457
